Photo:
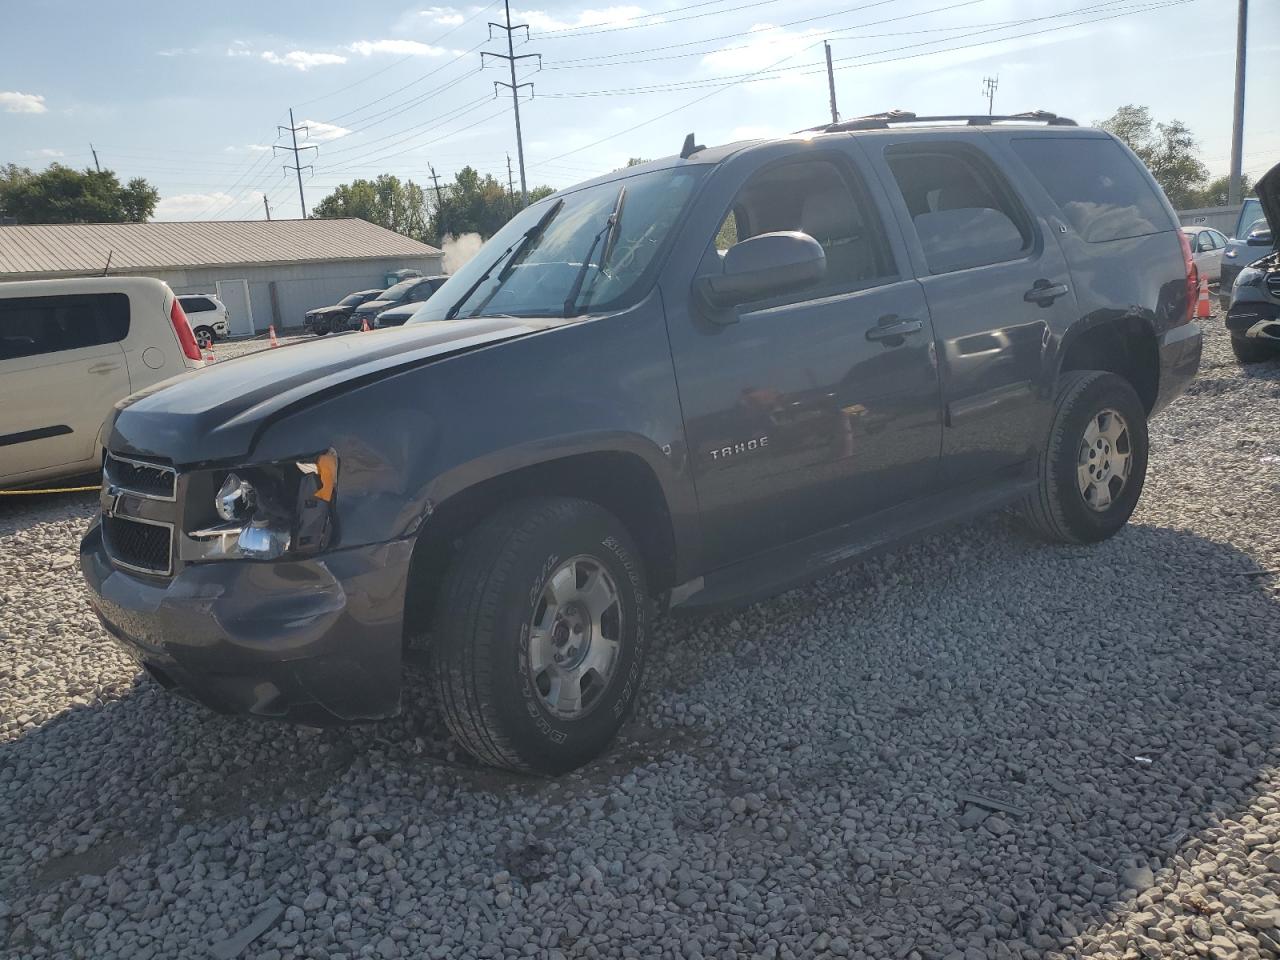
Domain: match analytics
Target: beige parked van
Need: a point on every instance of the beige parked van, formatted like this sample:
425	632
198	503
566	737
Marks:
69	349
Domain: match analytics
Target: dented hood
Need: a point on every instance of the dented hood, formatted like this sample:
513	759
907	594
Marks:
215	413
1268	191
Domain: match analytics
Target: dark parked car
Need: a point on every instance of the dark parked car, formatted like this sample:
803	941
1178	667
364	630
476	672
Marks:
324	320
695	381
397	316
1253	318
414	290
1240	252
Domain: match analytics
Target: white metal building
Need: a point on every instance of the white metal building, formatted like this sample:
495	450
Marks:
265	271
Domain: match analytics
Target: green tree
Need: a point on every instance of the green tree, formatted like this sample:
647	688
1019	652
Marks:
387	201
476	204
1168	149
60	194
1216	192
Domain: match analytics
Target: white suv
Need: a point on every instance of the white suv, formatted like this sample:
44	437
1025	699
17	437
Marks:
208	316
69	350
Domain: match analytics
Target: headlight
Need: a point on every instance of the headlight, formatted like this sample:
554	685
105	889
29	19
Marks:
270	510
1250	277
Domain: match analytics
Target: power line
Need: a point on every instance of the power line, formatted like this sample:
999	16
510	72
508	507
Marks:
570	33
296	151
774	68
511	57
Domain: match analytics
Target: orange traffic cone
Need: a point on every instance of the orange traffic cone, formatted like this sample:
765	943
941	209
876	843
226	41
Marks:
272	330
364	325
1203	308
209	357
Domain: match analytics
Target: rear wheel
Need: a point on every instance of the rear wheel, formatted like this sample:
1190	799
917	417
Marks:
320	328
1094	462
540	635
1253	350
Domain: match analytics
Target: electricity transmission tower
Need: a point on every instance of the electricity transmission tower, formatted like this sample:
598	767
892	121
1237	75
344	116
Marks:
989	85
511	58
296	150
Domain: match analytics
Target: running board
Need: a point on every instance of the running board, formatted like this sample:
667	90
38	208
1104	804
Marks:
804	560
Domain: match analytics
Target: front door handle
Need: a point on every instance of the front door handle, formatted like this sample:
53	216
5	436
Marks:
890	327
1044	292
107	366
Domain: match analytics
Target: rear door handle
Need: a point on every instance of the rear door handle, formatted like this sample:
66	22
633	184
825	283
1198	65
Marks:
107	366
1044	292
890	327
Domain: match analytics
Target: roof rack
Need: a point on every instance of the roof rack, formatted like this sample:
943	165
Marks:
882	121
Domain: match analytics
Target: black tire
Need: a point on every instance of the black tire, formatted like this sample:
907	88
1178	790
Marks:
1058	510
320	328
1252	350
482	635
204	337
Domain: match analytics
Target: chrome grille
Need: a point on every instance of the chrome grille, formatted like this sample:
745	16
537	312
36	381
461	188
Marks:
1273	284
142	545
153	480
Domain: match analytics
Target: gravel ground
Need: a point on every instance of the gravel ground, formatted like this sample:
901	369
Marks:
227	349
975	747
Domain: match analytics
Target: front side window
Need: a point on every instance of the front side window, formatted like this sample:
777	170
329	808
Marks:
1099	188
30	326
823	199
964	213
1204	243
1219	240
530	267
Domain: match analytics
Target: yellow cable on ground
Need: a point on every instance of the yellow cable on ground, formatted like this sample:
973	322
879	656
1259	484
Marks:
31	493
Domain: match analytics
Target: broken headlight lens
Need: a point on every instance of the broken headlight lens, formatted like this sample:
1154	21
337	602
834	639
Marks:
273	510
1250	277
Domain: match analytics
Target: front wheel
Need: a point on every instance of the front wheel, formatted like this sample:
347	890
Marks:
540	635
1094	461
204	337
1253	350
320	328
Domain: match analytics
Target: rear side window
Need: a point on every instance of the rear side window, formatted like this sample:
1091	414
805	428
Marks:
196	304
1098	187
964	212
30	326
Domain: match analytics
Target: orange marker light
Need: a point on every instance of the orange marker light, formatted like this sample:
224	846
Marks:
327	469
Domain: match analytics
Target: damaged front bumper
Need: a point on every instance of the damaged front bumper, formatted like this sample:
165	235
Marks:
316	640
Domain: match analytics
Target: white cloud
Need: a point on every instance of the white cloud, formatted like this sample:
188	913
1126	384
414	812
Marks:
177	52
321	131
247	148
607	17
302	59
238	48
13	102
765	46
431	16
184	206
47	152
400	48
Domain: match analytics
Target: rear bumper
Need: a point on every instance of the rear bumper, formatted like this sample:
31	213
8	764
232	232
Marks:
316	640
1180	350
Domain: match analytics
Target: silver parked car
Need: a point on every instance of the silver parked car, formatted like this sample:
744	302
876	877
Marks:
1206	249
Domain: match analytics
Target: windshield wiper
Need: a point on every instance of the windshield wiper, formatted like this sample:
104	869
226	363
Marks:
608	233
517	248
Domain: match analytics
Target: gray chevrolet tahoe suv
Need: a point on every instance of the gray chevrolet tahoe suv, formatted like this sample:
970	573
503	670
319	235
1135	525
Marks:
685	384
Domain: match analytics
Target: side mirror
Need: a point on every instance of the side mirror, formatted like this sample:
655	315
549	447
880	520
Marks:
1261	237
760	267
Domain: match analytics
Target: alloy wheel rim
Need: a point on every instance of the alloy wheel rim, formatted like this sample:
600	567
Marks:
575	637
1104	460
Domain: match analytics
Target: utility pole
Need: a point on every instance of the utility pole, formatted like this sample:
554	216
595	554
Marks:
831	84
511	186
439	197
511	58
1237	118
266	206
989	85
295	150
95	158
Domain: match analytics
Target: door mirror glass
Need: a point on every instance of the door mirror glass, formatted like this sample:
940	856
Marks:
764	266
1259	235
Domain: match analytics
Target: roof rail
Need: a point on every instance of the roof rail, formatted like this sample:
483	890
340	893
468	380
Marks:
882	121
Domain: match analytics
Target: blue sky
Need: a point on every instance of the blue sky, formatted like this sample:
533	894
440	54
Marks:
189	95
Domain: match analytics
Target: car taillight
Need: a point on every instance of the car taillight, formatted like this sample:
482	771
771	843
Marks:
1193	277
182	327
